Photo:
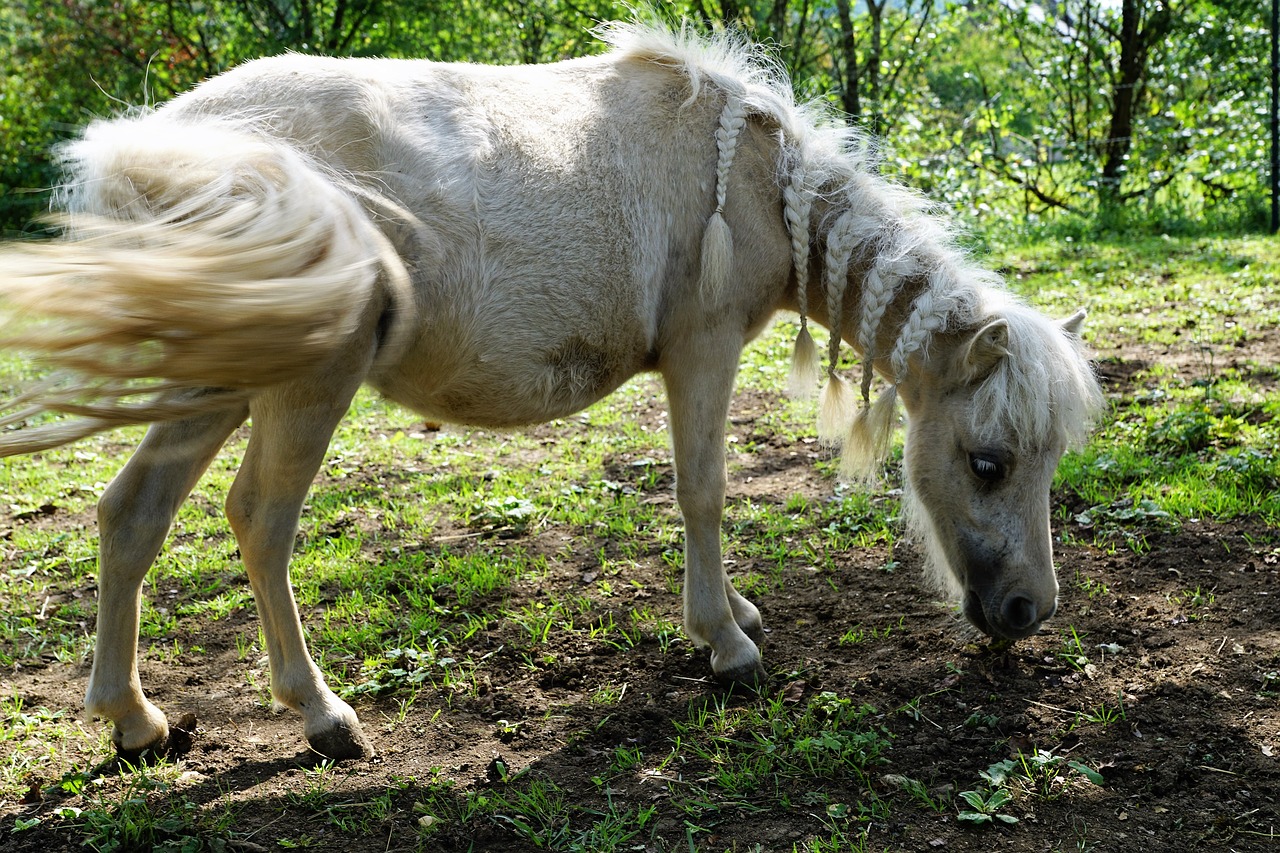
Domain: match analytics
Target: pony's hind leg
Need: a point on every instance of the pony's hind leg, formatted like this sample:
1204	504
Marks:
292	425
134	517
699	385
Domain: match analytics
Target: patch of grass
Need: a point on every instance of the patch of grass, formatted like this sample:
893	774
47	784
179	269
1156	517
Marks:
407	669
747	756
1196	292
1103	714
1091	586
1190	445
1073	651
35	739
534	811
1193	603
145	808
859	634
1180	455
319	795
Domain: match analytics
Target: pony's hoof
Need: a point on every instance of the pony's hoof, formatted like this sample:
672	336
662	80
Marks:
176	742
342	742
144	756
752	676
738	663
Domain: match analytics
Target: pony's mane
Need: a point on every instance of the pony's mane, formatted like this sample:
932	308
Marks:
837	203
726	59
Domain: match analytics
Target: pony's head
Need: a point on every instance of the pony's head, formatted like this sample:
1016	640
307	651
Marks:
992	409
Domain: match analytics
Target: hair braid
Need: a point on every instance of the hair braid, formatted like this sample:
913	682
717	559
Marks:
878	292
833	412
798	198
717	240
928	315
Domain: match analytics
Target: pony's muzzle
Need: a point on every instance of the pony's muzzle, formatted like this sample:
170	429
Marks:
1019	612
1015	616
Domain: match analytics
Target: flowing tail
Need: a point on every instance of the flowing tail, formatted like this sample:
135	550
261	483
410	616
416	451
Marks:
195	255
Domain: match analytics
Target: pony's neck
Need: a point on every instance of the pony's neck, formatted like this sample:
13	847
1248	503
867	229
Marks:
900	327
871	260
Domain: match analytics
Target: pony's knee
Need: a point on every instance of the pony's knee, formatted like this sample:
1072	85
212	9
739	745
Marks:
127	519
116	506
239	507
701	501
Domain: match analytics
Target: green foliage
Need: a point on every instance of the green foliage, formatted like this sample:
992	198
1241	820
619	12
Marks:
984	806
1040	775
1004	111
536	812
1184	444
831	736
148	813
408	668
63	64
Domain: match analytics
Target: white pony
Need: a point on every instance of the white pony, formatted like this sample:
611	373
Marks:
503	246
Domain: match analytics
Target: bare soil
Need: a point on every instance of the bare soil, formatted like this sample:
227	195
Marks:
1191	766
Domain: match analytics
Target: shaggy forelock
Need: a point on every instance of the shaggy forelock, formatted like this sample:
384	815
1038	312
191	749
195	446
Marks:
1044	393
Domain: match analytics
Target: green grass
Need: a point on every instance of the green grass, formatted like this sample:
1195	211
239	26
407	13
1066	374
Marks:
1156	291
538	812
1197	443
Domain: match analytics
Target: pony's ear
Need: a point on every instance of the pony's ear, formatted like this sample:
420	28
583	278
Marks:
986	348
1074	324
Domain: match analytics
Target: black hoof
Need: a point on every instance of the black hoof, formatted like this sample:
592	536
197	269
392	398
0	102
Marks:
342	743
175	745
754	632
750	677
146	756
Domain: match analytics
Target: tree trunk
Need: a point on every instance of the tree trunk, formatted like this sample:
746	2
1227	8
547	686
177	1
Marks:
777	21
1127	81
849	57
875	51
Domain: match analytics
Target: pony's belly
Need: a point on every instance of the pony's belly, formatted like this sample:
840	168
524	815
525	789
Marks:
516	391
497	407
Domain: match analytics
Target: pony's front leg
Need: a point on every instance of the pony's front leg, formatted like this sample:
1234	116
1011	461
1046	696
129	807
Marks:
699	387
292	426
134	517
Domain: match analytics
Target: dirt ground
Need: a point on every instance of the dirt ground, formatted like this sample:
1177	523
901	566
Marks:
1191	766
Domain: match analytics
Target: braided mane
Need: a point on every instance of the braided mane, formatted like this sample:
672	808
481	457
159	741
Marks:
836	204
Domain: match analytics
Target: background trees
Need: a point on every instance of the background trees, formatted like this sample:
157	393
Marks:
1153	105
1119	112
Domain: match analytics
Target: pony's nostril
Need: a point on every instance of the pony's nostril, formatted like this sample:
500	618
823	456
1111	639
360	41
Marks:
1020	612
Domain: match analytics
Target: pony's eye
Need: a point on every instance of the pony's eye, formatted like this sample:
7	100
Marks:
986	468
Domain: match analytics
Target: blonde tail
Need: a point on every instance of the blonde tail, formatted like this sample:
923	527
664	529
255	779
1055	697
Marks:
195	255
